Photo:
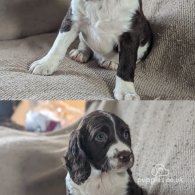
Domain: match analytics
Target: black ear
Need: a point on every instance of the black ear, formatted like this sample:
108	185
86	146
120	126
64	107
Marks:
76	161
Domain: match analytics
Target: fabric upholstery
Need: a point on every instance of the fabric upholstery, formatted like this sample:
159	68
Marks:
20	18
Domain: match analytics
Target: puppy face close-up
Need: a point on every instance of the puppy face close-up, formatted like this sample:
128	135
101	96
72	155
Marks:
102	141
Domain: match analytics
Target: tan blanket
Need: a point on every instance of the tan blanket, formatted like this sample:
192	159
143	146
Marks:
168	73
162	133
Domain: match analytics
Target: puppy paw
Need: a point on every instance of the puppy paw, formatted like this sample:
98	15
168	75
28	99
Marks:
110	65
81	56
43	67
125	90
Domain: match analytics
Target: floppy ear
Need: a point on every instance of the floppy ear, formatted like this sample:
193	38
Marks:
76	161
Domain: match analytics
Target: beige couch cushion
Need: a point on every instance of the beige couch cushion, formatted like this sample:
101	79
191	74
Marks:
19	18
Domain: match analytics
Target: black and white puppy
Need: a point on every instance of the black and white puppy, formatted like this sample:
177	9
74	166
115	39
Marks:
115	32
99	157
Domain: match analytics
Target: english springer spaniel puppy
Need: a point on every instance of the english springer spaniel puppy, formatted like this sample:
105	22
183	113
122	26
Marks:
115	32
99	157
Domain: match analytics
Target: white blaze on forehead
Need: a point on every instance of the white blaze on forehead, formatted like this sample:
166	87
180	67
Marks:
119	145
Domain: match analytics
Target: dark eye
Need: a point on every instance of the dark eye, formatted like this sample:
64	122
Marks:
126	134
101	137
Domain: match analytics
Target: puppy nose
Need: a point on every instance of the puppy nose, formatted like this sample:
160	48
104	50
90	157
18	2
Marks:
124	156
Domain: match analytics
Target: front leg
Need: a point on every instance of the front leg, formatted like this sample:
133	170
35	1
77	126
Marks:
49	63
124	88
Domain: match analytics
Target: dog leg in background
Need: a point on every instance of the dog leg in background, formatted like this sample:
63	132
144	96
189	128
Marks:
49	64
83	53
124	88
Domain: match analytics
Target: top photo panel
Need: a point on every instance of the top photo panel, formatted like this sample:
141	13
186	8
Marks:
97	49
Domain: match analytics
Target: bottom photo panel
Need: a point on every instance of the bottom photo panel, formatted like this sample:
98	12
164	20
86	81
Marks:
97	147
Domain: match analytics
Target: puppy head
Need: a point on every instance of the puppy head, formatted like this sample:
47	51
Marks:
103	141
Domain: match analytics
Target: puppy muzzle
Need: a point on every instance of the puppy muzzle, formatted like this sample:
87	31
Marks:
125	158
122	160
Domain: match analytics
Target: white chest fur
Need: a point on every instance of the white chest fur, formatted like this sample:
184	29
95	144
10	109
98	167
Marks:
100	184
103	21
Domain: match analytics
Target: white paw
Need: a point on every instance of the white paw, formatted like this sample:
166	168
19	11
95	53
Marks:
125	90
110	65
43	67
79	55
